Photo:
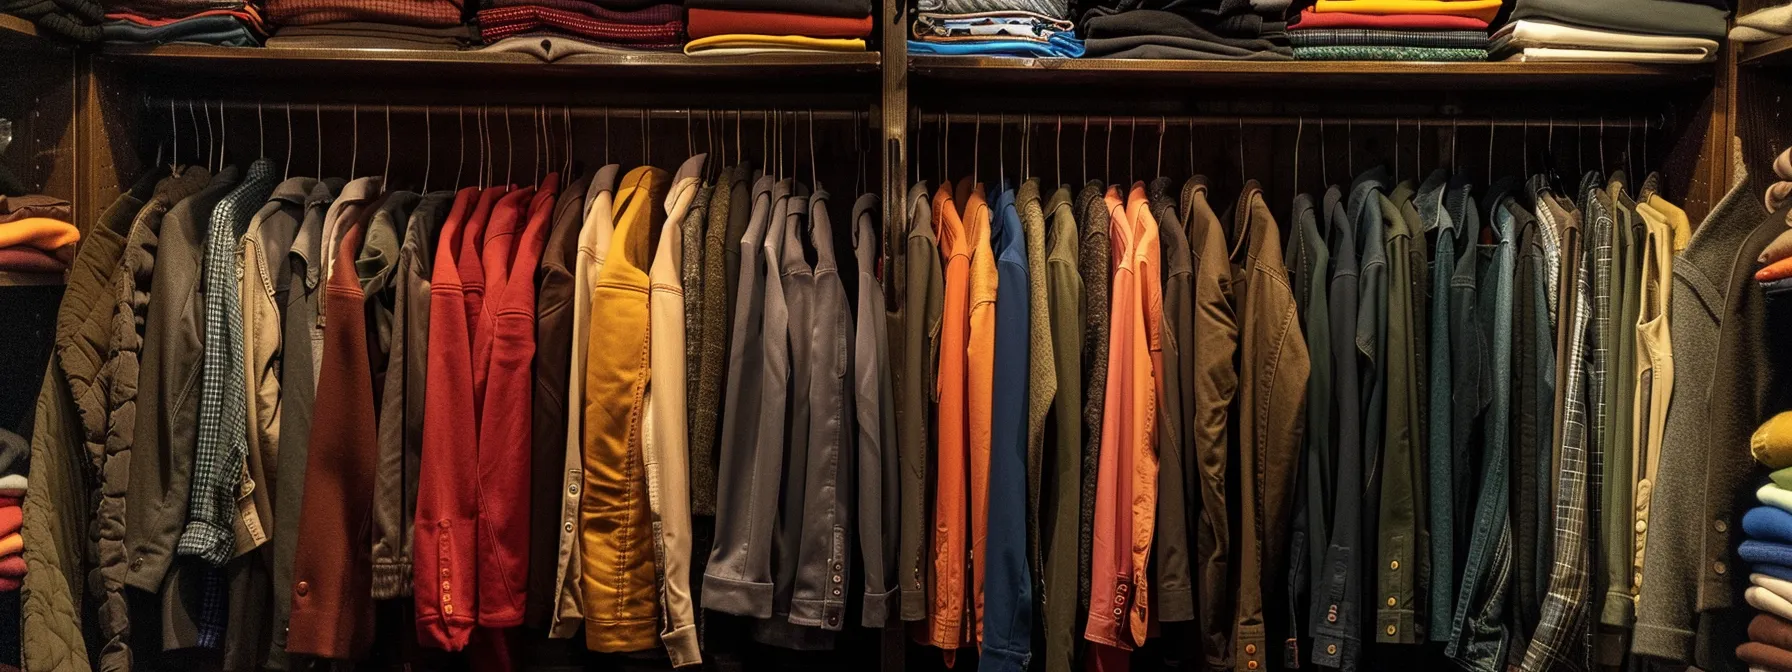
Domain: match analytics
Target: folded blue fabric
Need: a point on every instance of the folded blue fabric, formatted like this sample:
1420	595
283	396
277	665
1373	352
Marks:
1768	523
1765	552
1782	572
1060	45
227	31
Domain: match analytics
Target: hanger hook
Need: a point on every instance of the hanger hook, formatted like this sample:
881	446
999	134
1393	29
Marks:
1107	156
261	132
429	148
1300	128
386	171
1058	150
288	171
1132	148
1490	132
1163	123
355	139
174	126
317	114
1241	168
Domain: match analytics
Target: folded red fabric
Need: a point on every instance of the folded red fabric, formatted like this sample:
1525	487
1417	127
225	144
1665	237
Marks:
19	259
435	13
500	22
1778	270
8	585
10	518
653	14
13	566
247	14
1310	19
711	22
1763	657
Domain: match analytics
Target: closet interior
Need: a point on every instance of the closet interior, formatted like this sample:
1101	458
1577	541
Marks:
87	123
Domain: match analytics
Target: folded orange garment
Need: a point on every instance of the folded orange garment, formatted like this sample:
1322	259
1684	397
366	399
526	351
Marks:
247	13
10	518
50	235
1778	270
1484	10
12	544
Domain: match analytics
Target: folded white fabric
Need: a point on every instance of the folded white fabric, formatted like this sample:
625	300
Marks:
1773	19
1766	600
1526	34
1780	587
1747	34
1555	55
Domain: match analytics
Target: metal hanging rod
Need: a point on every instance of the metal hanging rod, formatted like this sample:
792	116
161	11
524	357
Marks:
1647	122
577	111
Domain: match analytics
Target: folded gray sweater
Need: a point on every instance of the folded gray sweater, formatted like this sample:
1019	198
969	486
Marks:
1658	17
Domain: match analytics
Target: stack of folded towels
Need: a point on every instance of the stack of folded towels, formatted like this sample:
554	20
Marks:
78	20
351	24
233	23
1763	24
1039	28
15	454
1650	31
552	29
739	27
35	234
1775	275
1228	31
1393	30
1767	548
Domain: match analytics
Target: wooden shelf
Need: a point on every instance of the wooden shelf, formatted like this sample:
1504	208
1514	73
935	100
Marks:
17	279
1769	54
1359	75
361	64
17	33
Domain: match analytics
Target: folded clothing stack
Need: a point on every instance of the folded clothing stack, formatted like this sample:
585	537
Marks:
226	23
1654	31
1775	275
1763	24
352	24
737	27
35	234
1227	30
15	455
1039	28
1393	30
1767	548
562	27
78	20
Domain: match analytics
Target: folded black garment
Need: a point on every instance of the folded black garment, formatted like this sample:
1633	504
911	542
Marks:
1180	48
1247	25
847	8
373	35
78	20
1199	9
1152	23
1364	37
1655	17
220	30
1056	9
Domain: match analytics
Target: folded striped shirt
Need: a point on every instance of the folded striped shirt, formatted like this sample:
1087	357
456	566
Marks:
1353	37
1387	53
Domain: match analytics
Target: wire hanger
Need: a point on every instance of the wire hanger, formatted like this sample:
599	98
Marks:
1001	151
386	170
977	150
222	137
174	126
261	133
317	114
429	147
1085	144
813	180
355	140
1107	156
1490	131
509	152
1132	146
1162	123
1350	146
1058	149
1300	127
566	118
211	144
288	171
1241	167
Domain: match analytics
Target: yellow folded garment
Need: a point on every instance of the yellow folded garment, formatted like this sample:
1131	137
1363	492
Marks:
10	544
50	235
1772	442
736	44
1478	9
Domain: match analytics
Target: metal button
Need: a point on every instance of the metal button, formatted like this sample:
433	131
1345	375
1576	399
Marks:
445	585
1719	567
569	528
1118	612
1124	587
836	592
833	620
1331	649
1394	564
1250	649
1331	618
1721	526
1251	665
448	609
444	572
137	564
1642	526
1392	630
1119	599
442	524
836	566
302	588
836	578
572	489
1392	601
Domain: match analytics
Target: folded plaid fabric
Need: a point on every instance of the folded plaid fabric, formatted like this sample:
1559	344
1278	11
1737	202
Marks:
500	22
1353	37
1387	53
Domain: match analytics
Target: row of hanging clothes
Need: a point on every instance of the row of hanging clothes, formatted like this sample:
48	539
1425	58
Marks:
294	420
1412	421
